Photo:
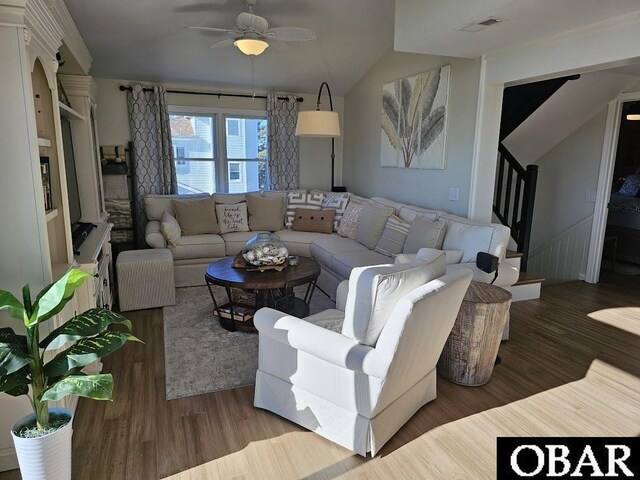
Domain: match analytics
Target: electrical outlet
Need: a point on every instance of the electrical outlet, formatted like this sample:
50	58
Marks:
590	196
454	194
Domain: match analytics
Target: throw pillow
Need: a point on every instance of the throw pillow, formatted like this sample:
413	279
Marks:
374	292
471	239
337	202
196	216
424	233
265	213
372	223
232	217
393	237
631	186
306	220
349	224
170	228
297	199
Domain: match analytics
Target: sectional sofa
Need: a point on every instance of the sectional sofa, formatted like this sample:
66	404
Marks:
337	255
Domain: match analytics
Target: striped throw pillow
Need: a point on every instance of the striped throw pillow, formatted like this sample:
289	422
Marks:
393	237
310	201
337	202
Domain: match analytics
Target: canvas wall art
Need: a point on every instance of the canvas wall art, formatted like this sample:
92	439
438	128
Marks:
414	120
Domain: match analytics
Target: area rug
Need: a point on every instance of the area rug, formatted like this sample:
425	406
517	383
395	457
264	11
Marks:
201	356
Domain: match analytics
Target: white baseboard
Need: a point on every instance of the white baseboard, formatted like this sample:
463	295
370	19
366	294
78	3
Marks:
529	291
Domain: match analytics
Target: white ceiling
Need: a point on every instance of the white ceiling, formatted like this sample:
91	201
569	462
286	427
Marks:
433	26
145	40
576	103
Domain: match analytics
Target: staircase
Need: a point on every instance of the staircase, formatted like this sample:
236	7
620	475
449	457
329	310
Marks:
515	191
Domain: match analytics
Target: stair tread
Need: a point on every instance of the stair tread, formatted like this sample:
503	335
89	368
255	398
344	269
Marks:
528	278
513	254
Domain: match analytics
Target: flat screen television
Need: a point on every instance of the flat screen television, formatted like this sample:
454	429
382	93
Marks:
75	210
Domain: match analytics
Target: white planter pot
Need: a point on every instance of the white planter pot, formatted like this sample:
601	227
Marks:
47	457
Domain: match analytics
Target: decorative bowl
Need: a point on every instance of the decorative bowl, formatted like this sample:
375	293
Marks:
265	249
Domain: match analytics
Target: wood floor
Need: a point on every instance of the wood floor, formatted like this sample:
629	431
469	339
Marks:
571	367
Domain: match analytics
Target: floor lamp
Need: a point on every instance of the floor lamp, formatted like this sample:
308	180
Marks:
321	123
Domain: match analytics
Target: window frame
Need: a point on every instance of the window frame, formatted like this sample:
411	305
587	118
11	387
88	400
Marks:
219	116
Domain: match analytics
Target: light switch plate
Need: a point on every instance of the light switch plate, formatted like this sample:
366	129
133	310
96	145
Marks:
454	194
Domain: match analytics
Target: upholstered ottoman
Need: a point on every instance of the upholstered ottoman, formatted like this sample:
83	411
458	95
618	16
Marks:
145	279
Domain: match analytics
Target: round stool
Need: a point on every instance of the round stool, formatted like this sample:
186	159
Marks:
472	347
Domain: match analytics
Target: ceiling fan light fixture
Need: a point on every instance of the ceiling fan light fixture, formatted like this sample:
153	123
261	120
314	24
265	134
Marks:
251	46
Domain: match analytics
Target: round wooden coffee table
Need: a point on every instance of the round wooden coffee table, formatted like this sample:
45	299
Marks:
472	347
272	289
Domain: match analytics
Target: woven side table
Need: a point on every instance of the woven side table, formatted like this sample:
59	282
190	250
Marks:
145	279
471	350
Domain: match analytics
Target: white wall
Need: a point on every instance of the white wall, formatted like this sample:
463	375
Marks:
363	106
565	174
315	153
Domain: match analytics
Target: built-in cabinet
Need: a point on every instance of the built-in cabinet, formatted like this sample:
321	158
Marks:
36	241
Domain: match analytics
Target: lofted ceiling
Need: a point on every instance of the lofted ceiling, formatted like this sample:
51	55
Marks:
145	40
434	26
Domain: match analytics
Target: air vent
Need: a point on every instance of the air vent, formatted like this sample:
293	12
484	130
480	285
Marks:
477	26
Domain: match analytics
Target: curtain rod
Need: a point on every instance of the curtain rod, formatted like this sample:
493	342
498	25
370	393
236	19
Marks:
214	94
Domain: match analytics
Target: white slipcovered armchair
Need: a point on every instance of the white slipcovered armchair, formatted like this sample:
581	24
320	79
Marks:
356	374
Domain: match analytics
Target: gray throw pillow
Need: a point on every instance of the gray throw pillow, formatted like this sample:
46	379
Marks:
371	225
196	216
266	214
424	233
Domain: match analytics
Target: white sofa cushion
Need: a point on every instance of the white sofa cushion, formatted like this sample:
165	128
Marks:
451	256
323	249
409	212
497	244
153	236
471	239
343	263
374	292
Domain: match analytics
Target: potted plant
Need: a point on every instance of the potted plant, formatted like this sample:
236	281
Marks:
43	438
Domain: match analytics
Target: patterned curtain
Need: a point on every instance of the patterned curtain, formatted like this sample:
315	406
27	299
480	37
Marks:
284	163
154	167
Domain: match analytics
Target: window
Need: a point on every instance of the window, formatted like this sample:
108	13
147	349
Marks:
246	152
194	150
206	144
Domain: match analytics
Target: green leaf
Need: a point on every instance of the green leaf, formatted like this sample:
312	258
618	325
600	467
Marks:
12	304
53	298
87	324
16	383
86	351
13	351
96	387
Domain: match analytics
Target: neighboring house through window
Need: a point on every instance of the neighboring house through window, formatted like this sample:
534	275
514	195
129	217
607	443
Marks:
219	150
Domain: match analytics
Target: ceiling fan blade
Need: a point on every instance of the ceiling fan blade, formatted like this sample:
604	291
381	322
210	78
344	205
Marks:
291	34
223	43
277	46
215	29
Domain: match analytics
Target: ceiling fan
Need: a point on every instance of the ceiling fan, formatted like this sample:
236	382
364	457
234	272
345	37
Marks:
253	36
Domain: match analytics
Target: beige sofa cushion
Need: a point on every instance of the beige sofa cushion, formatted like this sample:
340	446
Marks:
348	227
229	198
170	228
424	233
372	223
343	263
232	217
196	215
299	243
323	249
156	205
494	242
393	237
409	212
266	213
235	241
207	245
